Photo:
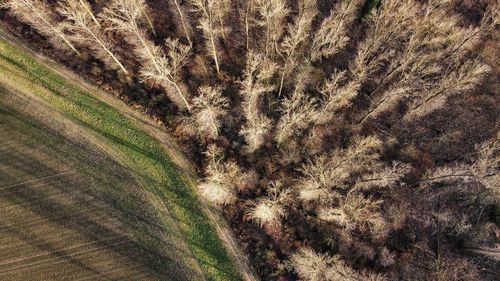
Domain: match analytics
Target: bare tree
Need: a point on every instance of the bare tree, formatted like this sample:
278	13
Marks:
184	21
332	37
87	8
254	86
126	16
485	170
431	49
487	166
325	175
312	266
224	7
149	20
271	16
355	211
38	14
298	34
158	67
256	132
337	183
319	177
298	111
272	208
249	20
209	107
336	93
86	31
222	178
382	177
456	80
164	69
213	14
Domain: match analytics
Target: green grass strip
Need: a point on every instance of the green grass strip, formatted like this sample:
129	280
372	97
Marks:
146	156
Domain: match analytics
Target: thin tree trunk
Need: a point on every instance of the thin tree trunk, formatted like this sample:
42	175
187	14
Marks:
150	23
214	50
247	24
90	12
69	44
108	51
59	33
137	33
283	75
267	37
183	22
221	22
188	107
145	46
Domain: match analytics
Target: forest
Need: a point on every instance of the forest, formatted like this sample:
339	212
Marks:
341	139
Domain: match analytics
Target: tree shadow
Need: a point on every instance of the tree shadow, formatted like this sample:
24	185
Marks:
452	132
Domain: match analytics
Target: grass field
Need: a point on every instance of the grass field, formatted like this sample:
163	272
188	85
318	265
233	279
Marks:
85	194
